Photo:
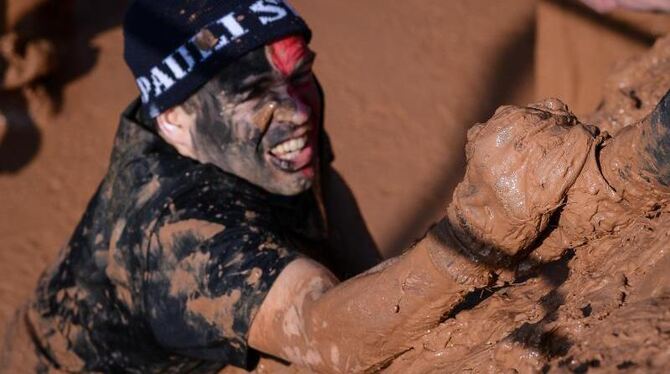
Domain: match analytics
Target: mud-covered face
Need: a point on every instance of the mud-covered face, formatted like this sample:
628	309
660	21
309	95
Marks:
259	118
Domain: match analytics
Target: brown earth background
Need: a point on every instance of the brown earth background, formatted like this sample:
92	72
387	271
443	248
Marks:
403	81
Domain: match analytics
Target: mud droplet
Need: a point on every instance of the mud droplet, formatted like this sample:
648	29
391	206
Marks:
205	40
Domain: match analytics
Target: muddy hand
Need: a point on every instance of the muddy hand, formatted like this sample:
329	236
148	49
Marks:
521	164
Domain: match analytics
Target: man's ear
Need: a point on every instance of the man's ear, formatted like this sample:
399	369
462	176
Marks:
174	126
170	126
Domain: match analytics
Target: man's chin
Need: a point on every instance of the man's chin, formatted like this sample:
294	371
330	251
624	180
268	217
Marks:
294	183
292	177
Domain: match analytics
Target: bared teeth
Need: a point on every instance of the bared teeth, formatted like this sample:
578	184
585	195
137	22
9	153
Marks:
289	149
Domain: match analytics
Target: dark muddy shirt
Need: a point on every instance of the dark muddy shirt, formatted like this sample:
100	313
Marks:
168	266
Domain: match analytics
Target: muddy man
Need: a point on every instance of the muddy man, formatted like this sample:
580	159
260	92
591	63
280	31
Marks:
207	243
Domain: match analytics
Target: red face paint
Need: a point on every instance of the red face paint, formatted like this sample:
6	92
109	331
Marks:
286	53
285	56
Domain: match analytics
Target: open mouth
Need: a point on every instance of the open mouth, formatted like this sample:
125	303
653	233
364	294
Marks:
289	149
292	154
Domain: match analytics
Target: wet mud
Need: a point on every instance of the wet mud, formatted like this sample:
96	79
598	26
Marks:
633	89
593	293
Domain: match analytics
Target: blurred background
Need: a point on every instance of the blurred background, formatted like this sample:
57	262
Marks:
404	80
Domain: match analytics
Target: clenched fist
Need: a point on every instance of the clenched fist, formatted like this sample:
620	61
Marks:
521	164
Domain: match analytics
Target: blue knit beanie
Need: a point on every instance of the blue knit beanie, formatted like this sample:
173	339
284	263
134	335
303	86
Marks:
173	47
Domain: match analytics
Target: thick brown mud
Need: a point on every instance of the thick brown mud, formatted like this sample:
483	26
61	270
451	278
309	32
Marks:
633	89
593	295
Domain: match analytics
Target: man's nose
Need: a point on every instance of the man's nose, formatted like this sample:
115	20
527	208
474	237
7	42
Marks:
292	110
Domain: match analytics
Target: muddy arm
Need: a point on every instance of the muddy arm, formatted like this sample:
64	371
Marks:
309	320
521	164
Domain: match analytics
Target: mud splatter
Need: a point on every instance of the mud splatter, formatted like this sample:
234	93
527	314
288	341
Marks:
203	229
116	269
148	190
218	311
186	278
254	276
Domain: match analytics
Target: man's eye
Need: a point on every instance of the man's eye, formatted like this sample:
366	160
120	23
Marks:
302	78
257	89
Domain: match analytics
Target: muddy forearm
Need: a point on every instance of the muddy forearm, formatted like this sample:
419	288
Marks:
372	317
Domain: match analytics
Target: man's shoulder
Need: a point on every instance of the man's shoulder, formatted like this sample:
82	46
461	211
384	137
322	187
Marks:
208	194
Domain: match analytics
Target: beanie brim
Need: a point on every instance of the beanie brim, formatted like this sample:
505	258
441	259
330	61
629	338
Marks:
169	73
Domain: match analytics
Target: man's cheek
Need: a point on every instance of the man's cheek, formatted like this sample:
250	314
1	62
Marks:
243	128
309	95
250	135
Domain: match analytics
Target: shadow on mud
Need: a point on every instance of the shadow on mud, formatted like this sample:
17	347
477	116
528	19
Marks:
69	26
536	336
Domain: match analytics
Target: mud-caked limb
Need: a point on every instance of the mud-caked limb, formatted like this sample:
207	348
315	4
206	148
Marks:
520	166
362	323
